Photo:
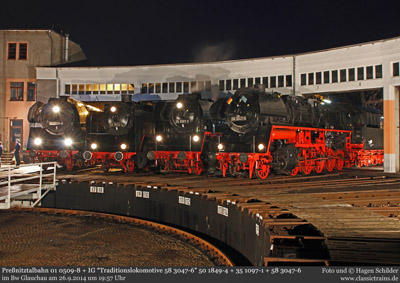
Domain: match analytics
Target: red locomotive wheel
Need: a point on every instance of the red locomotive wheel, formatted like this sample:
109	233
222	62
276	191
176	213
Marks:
263	169
330	164
130	166
319	166
307	167
295	171
339	163
198	167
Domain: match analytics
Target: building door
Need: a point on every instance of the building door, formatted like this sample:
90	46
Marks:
15	133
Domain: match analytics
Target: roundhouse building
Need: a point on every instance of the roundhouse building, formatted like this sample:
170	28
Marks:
367	74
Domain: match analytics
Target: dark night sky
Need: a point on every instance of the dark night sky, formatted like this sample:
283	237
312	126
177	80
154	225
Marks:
160	31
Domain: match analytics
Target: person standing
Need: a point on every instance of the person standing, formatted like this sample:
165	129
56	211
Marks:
1	152
16	152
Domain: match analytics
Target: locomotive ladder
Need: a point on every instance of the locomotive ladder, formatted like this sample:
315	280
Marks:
23	185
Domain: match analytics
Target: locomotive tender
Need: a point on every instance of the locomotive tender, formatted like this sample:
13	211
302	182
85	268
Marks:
252	133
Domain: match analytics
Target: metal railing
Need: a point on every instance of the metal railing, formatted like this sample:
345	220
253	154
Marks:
11	177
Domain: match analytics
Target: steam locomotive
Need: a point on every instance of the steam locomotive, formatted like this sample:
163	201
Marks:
287	135
251	133
57	131
118	136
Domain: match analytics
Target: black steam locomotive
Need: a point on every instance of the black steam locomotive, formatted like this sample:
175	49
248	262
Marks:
119	135
251	133
57	131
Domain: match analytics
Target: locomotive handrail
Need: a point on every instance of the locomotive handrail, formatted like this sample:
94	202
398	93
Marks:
31	187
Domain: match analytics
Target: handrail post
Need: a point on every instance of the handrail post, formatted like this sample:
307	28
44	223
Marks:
39	193
54	177
9	188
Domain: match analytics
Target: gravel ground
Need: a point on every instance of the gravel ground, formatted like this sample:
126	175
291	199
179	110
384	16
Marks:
32	239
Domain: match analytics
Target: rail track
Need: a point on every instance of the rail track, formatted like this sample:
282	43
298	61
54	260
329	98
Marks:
341	218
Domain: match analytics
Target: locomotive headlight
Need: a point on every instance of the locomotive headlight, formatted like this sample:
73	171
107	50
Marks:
220	146
261	146
123	146
93	146
37	141
113	109
196	138
56	109
327	101
159	138
68	142
179	105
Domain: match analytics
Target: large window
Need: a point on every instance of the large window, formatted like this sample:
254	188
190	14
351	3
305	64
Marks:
12	51
23	51
88	89
17	91
303	79
396	69
17	51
